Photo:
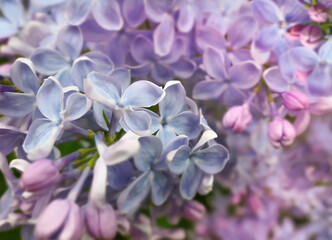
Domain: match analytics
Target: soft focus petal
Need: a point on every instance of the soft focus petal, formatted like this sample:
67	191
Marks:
206	90
303	58
7	28
320	81
266	11
245	75
161	73
268	38
241	31
209	36
48	61
107	14
70	41
166	134
78	10
133	12
214	63
141	49
73	228
184	68
186	18
325	51
163	36
13	11
275	80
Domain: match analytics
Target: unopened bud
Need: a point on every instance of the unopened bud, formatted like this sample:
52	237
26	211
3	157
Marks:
281	132
295	100
237	118
193	210
61	219
318	13
39	176
101	223
293	33
311	36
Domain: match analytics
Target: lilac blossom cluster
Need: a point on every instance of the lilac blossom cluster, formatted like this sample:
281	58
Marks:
146	94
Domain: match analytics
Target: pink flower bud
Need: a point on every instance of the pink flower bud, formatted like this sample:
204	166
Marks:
281	132
293	33
237	118
318	13
193	210
311	36
295	100
39	175
61	219
101	223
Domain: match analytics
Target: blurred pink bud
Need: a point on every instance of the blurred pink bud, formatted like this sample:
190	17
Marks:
293	33
254	203
237	118
281	132
311	36
39	175
61	219
295	100
318	13
193	210
101	223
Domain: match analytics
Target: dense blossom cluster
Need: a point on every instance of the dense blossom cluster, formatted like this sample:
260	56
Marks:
115	115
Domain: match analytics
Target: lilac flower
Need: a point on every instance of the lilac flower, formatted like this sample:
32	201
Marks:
151	160
18	105
174	119
58	114
192	163
124	101
278	19
228	82
78	11
133	12
319	81
162	69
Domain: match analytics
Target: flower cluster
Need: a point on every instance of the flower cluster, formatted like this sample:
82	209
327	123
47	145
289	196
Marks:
113	113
